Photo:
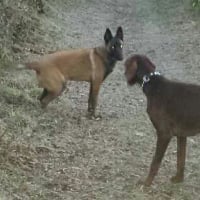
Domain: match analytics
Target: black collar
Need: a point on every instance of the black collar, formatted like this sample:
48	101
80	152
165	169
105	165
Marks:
108	60
109	64
147	78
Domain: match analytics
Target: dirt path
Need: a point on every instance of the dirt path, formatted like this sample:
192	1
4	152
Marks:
75	158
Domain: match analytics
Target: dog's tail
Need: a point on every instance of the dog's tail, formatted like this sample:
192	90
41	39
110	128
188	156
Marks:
31	66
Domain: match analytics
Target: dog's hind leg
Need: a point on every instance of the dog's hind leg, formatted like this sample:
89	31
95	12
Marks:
49	96
161	146
43	95
64	87
181	153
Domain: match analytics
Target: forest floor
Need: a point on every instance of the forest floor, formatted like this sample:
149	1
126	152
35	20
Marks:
59	154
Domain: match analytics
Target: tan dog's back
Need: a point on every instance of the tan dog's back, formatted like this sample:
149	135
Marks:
73	64
57	68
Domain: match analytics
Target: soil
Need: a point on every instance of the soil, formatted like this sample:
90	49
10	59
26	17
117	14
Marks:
60	154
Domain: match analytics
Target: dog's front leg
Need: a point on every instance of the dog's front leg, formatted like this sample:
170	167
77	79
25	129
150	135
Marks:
161	146
92	101
181	153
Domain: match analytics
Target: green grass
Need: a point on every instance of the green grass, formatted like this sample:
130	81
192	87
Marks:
196	3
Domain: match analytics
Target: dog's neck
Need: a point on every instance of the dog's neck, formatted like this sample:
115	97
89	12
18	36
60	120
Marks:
109	65
109	61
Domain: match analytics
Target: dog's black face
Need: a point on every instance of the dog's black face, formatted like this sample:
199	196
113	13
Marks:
114	45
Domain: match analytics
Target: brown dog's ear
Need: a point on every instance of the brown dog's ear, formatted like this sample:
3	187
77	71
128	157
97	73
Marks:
146	63
130	71
119	33
108	36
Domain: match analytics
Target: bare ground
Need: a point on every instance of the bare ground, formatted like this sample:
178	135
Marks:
59	153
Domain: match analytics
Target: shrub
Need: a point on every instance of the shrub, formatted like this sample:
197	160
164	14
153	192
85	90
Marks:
196	4
18	26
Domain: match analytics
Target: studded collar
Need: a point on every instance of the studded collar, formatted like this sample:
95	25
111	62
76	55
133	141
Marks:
147	78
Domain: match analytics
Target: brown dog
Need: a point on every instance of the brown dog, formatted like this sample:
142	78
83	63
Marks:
91	65
173	108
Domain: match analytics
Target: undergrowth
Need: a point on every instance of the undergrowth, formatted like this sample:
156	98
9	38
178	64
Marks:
19	27
196	4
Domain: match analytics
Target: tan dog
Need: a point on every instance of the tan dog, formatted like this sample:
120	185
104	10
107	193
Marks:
91	65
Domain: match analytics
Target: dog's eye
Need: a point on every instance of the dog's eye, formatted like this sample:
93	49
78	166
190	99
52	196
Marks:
121	46
113	47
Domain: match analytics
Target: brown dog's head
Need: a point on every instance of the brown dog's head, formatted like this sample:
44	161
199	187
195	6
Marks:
114	45
136	67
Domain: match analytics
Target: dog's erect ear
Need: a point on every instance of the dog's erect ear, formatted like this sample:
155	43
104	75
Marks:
119	33
108	36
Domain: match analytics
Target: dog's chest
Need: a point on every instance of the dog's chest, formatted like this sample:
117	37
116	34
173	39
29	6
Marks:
109	66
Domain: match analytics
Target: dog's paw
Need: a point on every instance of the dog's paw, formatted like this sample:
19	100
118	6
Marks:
97	118
94	117
177	179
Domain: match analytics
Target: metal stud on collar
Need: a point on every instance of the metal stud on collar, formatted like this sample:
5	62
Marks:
155	73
